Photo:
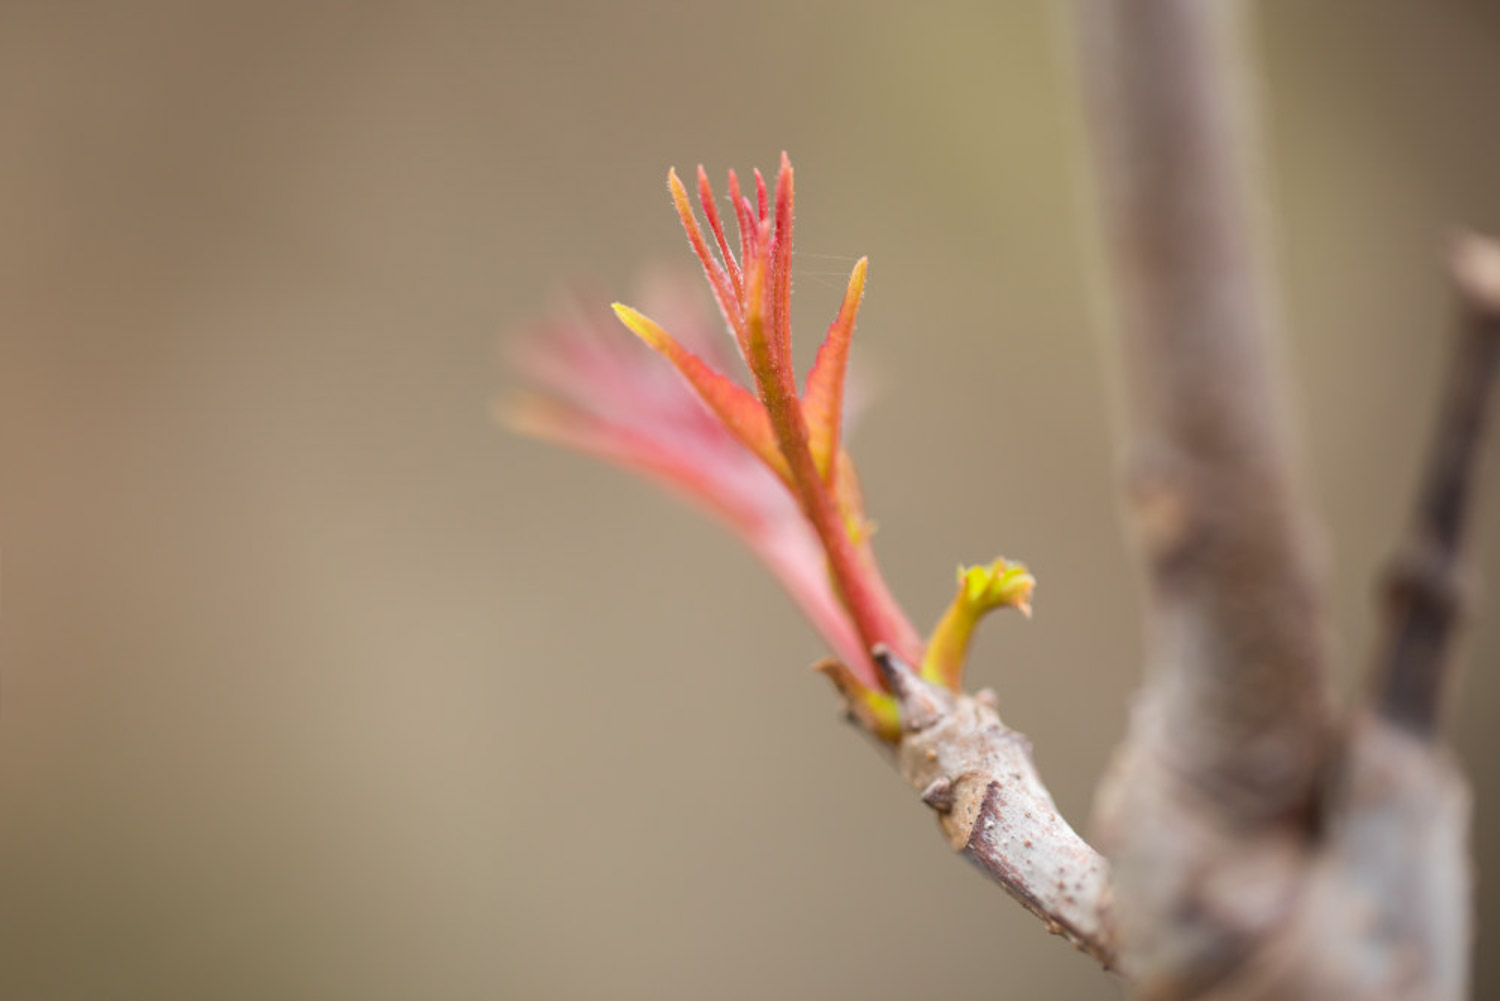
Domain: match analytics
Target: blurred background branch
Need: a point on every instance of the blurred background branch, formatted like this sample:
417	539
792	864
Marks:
1253	857
1425	585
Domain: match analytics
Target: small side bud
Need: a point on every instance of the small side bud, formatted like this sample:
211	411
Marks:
939	795
875	711
998	585
981	589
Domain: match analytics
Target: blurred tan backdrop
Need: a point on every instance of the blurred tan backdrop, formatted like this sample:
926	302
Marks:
314	684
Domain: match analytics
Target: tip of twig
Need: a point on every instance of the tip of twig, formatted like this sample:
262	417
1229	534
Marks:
1476	271
898	676
919	708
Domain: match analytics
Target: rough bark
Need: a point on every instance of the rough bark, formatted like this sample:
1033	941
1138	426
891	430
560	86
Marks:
993	807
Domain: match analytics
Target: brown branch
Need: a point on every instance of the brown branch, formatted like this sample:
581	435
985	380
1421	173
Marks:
1206	809
978	775
1423	587
1237	618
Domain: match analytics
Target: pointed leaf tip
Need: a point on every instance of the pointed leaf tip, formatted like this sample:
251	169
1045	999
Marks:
824	394
734	405
641	325
716	224
724	288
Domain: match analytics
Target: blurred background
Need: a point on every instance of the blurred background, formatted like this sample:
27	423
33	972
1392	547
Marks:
316	684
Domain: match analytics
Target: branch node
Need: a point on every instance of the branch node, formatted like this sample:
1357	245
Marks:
1424	573
1164	515
939	795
